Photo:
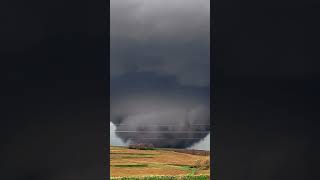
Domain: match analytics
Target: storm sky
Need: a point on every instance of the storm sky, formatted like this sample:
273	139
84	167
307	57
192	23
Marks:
160	71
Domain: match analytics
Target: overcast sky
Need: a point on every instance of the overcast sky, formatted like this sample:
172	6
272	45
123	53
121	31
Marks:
160	67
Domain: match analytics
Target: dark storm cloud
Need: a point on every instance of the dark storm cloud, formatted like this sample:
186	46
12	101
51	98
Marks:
146	112
169	38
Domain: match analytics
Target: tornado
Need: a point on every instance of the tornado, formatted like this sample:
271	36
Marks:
164	122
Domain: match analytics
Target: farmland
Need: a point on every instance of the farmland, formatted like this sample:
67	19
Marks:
157	164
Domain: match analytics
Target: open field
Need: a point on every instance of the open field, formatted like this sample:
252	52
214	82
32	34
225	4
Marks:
199	177
130	164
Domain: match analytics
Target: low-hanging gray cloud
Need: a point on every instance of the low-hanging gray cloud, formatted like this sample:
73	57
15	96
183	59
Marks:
167	38
165	116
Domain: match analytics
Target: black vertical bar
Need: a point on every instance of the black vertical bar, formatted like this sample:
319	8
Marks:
107	76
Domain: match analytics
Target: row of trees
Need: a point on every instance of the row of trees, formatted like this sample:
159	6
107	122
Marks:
141	146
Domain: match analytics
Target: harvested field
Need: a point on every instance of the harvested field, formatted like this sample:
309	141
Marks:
125	162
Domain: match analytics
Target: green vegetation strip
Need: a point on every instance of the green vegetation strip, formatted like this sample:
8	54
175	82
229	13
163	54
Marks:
130	165
191	169
201	177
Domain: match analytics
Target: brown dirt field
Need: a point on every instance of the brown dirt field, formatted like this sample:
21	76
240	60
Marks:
159	162
121	172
